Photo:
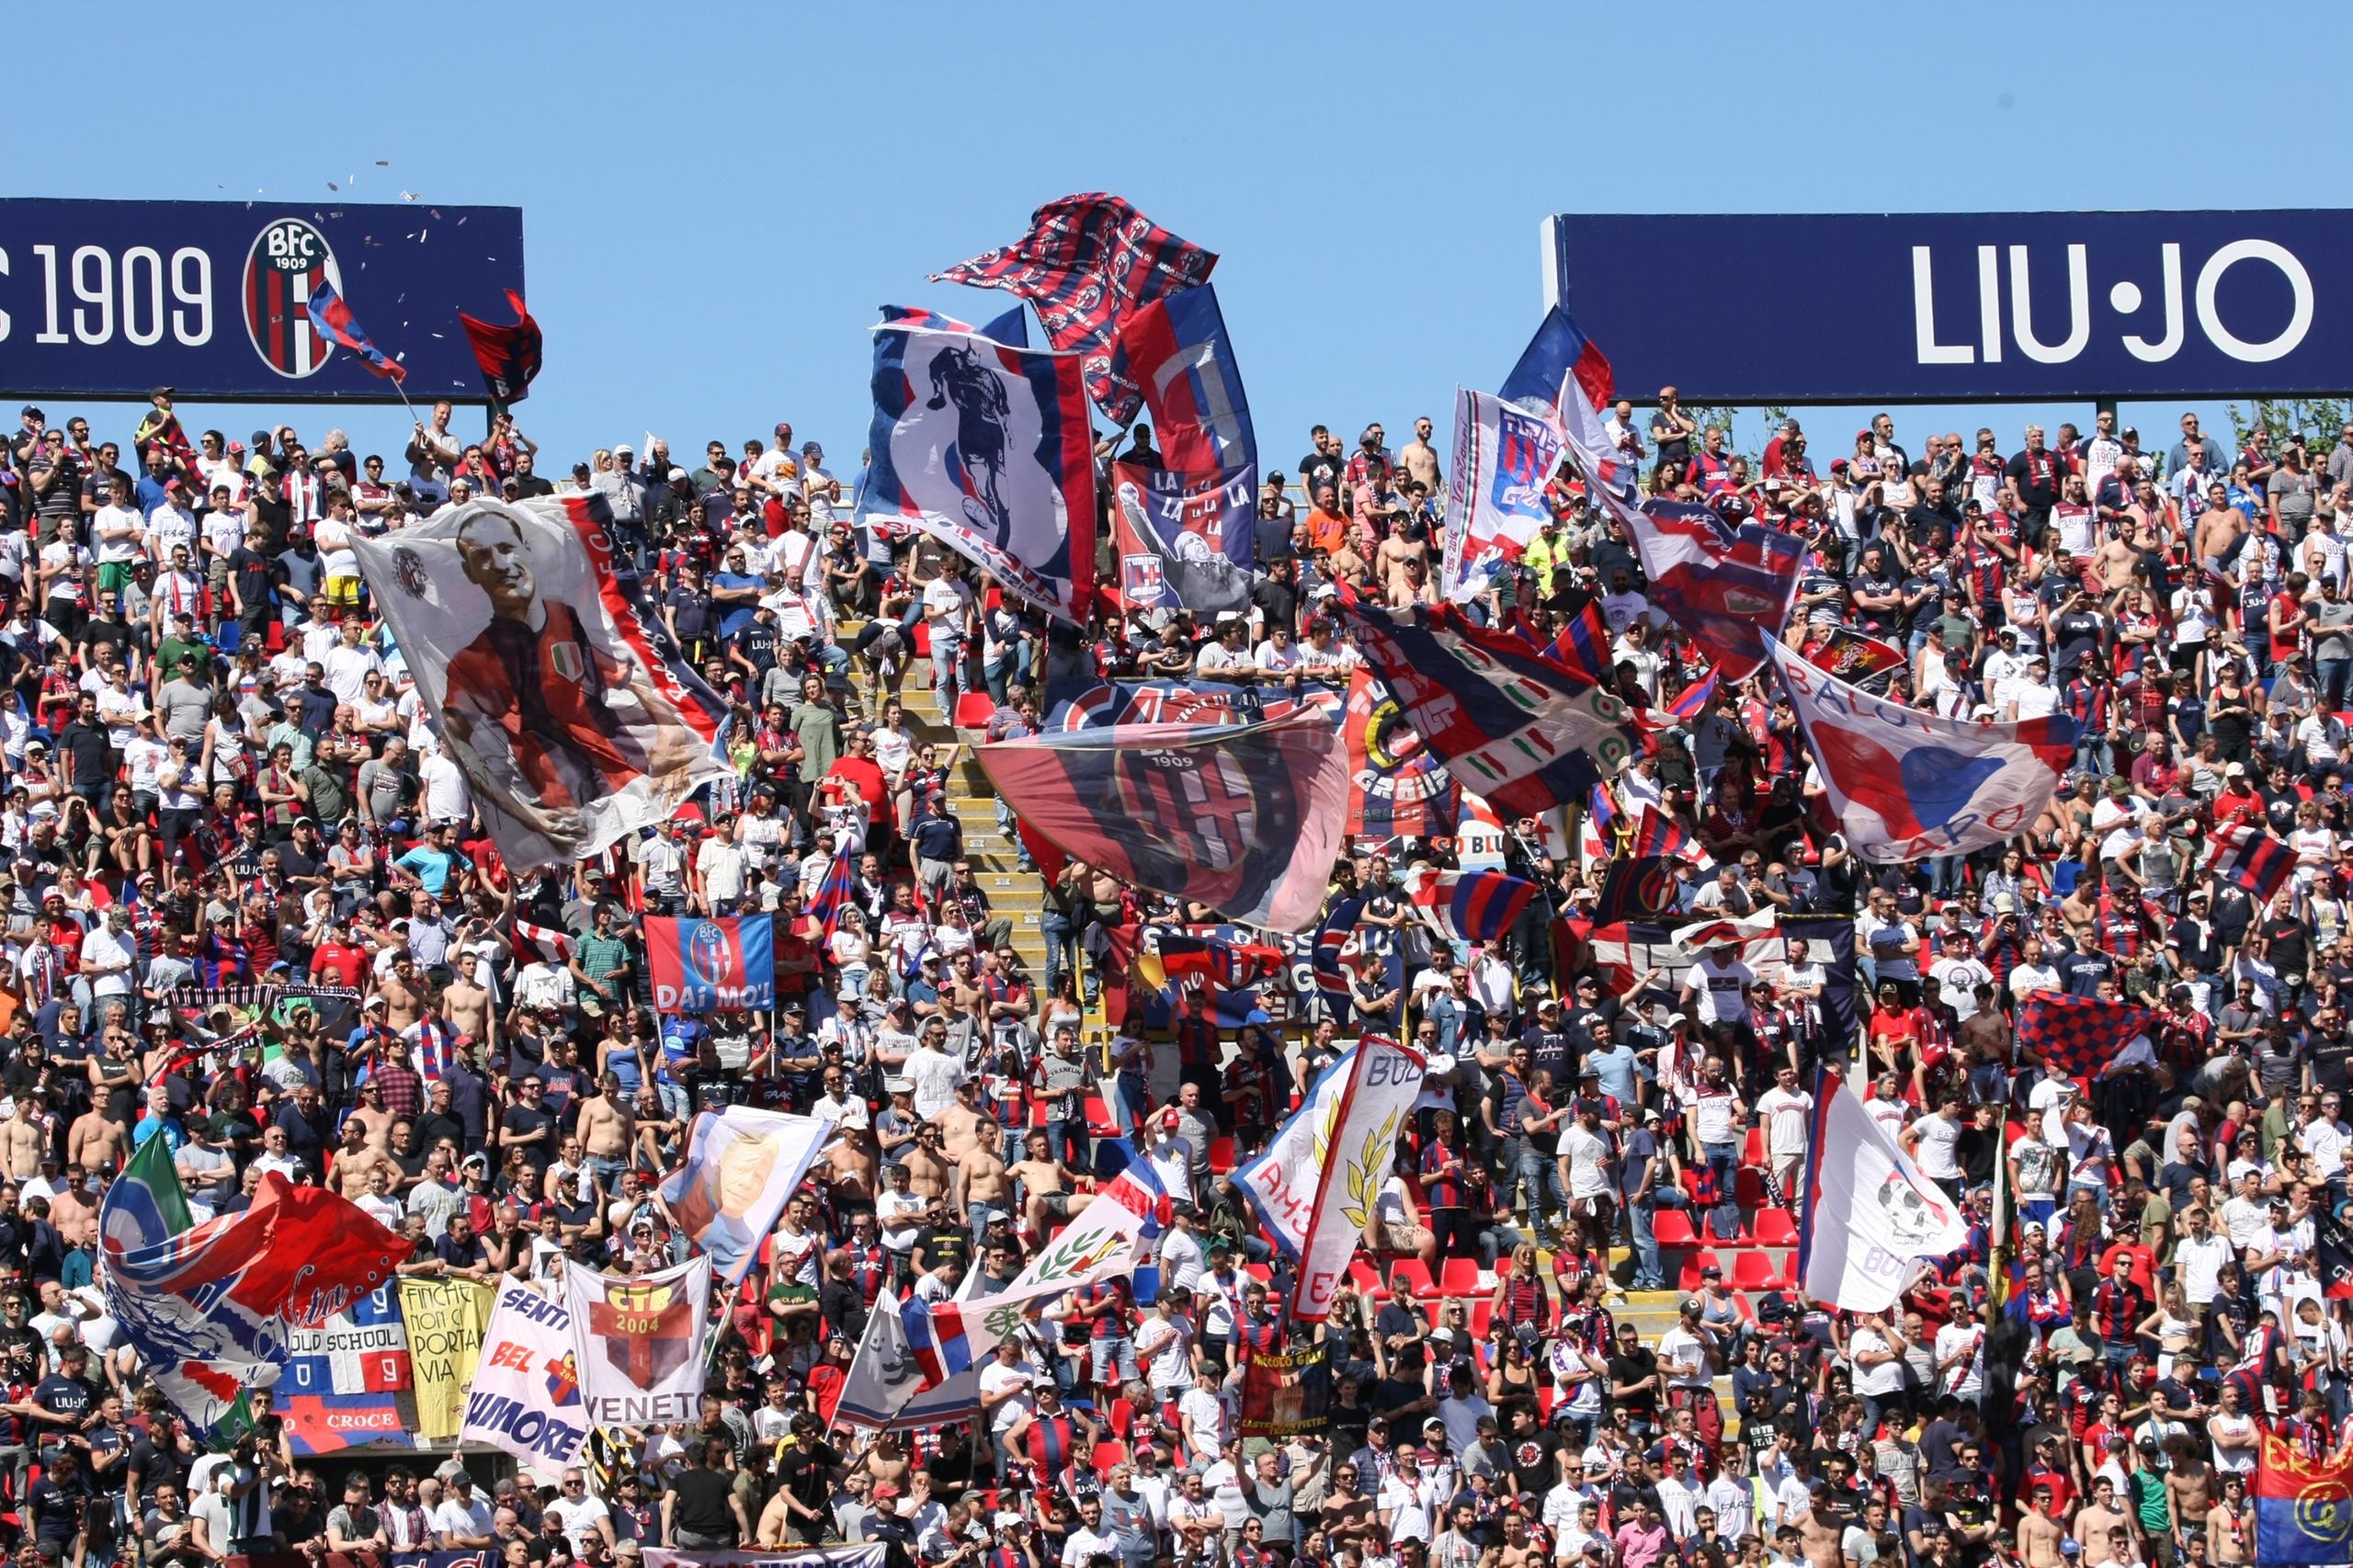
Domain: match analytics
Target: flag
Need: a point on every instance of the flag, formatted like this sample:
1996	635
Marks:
509	355
432	1046
1694	701
2248	856
1907	785
1320	1174
1172	532
1286	1392
1335	942
637	1343
699	965
1107	704
332	317
209	1309
986	448
553	945
1396	788
573	730
1504	457
345	1380
936	1340
1469	906
1231	965
2077	1036
1656	833
1519	728
1087	264
1600	812
836	890
2333	1246
1728	588
1175	352
1243	818
1584	646
526	1393
1559	355
742	1165
1843	652
1867	1212
2303	1506
1642	882
1012	329
884	1373
1728	930
444	1321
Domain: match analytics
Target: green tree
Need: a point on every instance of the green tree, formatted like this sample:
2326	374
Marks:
2316	419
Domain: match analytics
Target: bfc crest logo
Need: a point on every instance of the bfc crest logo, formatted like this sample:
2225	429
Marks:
704	965
290	259
710	957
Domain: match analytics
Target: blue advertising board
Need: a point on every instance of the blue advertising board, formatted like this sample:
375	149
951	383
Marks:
111	299
1962	307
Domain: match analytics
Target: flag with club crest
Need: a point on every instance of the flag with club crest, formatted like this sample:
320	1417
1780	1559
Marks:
509	355
1851	655
2077	1036
1087	264
1504	457
2248	856
1396	788
2304	1504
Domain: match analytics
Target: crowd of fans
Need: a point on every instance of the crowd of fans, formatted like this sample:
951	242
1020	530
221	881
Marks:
219	780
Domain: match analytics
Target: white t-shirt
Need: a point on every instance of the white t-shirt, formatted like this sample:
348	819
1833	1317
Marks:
996	1377
1936	1152
1723	996
1785	1118
579	1518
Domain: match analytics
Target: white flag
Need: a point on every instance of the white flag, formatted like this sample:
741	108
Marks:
882	1374
526	1395
1868	1213
639	1342
1504	457
1316	1184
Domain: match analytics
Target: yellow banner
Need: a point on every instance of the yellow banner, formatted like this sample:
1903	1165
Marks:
445	1319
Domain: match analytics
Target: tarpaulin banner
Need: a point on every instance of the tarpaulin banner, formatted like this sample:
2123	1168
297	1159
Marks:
1504	457
526	1393
445	1320
874	1555
742	1165
1867	1212
572	729
1396	788
1174	533
702	966
1073	706
1286	1392
1517	726
1177	351
1087	264
1908	785
638	1343
344	1380
986	448
1243	818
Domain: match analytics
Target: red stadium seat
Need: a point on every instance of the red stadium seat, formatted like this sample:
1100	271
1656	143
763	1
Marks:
1483	1317
1366	1280
1754	1154
1752	1270
1672	1229
1409	1276
1221	1155
1458	1276
1748	1187
1776	1228
1693	1262
974	711
1107	1454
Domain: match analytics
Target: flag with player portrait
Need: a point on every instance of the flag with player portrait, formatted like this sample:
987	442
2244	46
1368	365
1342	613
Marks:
573	727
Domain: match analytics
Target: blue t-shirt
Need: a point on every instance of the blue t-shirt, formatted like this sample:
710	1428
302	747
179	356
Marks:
432	867
739	613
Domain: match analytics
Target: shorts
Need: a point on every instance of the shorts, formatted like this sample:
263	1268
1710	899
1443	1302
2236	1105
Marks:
1056	1204
343	590
1116	1353
1405	1238
113	576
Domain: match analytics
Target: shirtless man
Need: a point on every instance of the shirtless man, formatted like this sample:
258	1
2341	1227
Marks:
964	1126
403	993
1821	1535
95	1139
2096	1518
2230	1524
927	1167
983	1186
1046	1183
2220	527
467	1007
2118	555
606	1128
354	1162
2190	1483
373	1121
2038	1533
21	1140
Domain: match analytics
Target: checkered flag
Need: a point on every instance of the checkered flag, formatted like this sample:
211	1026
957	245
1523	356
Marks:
2077	1036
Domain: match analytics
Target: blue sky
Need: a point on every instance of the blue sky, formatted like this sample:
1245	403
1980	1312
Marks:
717	197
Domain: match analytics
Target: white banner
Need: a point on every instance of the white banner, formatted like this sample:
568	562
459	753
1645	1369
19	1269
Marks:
1107	1238
1504	457
539	679
526	1393
638	1342
872	1555
1317	1184
1868	1213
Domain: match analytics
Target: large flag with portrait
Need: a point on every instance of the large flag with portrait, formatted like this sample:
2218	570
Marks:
572	726
742	1165
986	448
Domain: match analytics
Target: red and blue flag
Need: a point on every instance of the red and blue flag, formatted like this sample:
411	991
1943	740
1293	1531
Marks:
1584	645
1559	355
1175	351
703	966
1470	906
1396	788
1694	701
1011	329
2076	1036
2248	856
936	1339
1851	655
1728	588
836	892
509	355
331	314
1087	264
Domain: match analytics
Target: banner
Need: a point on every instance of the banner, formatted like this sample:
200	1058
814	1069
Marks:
526	1393
1286	1392
444	1319
872	1555
1104	704
1514	725
1730	588
1396	788
1624	950
1867	1212
1504	457
1908	785
700	966
1087	264
741	1164
2303	1506
1245	819
1469	906
1012	329
1177	352
1314	1185
209	1310
1849	655
1174	533
344	1380
986	448
638	1343
540	678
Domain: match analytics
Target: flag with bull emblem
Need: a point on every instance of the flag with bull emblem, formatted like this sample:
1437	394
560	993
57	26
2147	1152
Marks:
638	1342
986	448
1243	818
1087	264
